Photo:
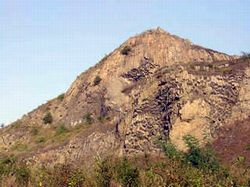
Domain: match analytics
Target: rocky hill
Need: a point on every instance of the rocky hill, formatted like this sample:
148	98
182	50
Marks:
155	85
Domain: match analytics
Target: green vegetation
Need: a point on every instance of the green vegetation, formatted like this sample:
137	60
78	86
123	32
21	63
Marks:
201	158
6	165
126	50
61	97
22	174
97	80
47	119
40	139
248	147
127	174
104	172
18	146
61	130
197	166
169	149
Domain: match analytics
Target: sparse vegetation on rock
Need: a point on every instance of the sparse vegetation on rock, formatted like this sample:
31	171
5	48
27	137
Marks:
47	119
61	129
245	55
22	174
126	50
61	97
154	85
88	118
97	80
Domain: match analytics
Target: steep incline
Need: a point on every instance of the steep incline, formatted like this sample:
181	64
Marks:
154	85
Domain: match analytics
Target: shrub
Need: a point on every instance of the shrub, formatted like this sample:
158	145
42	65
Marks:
126	50
76	179
128	174
100	118
61	130
63	175
47	119
248	147
104	172
169	149
198	157
240	160
6	165
88	118
22	175
61	97
97	80
245	55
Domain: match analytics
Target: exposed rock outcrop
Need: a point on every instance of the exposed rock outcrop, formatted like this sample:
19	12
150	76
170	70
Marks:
155	85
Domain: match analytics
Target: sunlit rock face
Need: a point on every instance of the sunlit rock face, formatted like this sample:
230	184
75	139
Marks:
155	85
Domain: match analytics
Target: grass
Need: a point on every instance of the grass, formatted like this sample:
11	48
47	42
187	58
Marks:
40	140
143	171
16	124
20	147
61	130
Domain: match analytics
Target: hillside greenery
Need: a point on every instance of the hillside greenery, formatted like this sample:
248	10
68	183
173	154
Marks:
196	167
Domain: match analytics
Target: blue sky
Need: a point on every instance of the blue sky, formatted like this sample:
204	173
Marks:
45	44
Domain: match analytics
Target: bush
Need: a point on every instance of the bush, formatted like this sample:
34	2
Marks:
22	175
169	149
6	165
88	118
76	179
47	119
61	130
104	172
245	55
126	50
128	174
198	157
97	80
248	147
61	97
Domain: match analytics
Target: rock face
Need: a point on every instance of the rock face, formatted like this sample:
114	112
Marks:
154	85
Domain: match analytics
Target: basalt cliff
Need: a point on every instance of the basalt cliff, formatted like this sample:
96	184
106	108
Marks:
155	85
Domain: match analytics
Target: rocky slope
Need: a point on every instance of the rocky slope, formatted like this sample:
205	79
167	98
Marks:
155	85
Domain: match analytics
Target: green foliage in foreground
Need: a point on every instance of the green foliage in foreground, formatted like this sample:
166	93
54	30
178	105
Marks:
196	167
